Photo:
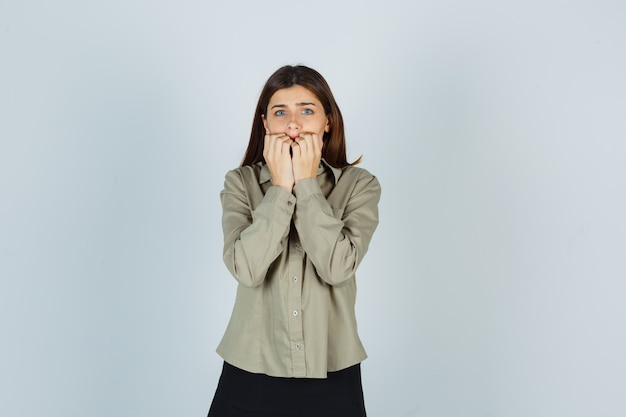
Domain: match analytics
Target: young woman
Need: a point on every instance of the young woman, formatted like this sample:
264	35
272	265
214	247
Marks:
297	221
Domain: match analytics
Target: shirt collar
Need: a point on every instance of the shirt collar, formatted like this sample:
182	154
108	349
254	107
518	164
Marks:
324	166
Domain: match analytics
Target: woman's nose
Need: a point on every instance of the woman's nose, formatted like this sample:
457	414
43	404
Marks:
294	123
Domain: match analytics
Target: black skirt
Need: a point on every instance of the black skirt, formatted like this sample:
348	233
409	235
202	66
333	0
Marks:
243	394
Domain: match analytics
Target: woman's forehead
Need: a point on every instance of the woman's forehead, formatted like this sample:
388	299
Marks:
293	94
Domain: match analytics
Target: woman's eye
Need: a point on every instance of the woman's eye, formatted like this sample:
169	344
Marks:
307	111
280	113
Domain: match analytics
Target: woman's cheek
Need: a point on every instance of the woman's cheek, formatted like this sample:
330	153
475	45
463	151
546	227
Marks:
276	127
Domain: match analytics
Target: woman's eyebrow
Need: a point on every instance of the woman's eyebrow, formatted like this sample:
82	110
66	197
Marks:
305	103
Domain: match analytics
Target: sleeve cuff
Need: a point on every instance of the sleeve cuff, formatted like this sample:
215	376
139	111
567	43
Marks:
281	197
307	187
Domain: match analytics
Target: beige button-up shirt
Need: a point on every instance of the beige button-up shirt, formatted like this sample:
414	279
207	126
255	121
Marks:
295	257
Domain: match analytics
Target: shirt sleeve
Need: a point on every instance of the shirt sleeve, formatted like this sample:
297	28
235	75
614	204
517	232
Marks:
336	242
253	239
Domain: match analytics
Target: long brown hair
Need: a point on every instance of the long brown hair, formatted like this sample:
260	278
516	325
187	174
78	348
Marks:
334	148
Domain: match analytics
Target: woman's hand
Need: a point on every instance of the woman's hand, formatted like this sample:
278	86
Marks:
307	153
278	159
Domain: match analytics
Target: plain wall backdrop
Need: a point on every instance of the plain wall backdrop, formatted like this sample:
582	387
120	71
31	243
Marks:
494	286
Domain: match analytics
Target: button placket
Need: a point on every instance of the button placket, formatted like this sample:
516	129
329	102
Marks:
294	305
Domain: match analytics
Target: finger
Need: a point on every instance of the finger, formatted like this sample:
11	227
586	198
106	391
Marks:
307	142
273	142
296	149
313	142
278	135
284	142
274	135
286	146
301	142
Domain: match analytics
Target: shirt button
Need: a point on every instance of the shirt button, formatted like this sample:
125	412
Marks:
295	313
289	203
297	246
295	279
298	346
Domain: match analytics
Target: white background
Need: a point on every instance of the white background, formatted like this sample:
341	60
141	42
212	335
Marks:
495	283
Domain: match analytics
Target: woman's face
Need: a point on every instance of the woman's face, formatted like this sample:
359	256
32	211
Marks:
295	110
